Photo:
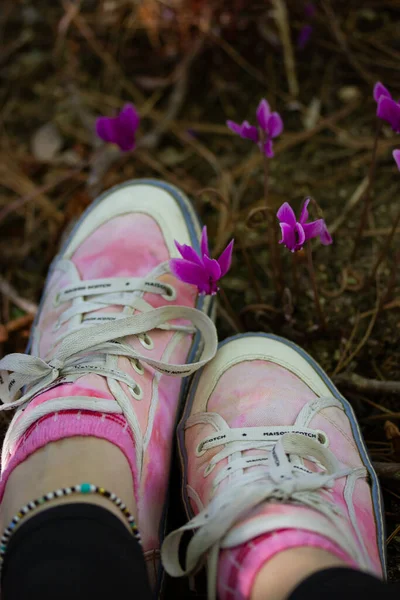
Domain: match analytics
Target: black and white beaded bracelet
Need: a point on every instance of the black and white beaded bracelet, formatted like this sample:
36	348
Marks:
83	488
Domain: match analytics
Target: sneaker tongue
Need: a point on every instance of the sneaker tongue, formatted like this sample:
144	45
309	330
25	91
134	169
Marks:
257	394
127	246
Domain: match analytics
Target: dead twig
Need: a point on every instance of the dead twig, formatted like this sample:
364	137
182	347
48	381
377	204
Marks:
393	534
352	203
282	22
364	339
225	224
176	98
12	294
375	387
15	325
17	204
342	41
14	179
387	470
367	194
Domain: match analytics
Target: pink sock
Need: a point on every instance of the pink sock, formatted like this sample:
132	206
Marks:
71	423
239	566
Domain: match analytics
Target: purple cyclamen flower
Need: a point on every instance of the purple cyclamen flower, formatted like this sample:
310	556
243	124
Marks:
121	129
307	29
388	109
201	269
304	36
396	156
269	126
296	233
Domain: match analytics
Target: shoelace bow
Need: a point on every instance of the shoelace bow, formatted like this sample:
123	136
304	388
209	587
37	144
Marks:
95	348
280	476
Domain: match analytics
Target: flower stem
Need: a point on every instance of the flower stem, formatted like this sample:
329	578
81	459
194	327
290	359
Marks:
250	270
295	274
367	193
385	248
392	279
272	232
313	279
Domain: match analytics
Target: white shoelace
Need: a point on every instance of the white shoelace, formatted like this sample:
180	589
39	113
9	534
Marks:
279	475
94	346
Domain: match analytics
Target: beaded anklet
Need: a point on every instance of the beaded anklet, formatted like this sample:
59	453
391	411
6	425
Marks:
83	488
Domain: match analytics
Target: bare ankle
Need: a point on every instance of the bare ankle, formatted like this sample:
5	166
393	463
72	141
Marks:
68	462
286	570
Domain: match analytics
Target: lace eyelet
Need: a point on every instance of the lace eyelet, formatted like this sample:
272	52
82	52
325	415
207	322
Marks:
199	449
210	467
146	341
57	325
136	392
137	366
170	295
323	438
56	300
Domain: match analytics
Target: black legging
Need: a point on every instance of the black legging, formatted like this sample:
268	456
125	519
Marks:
82	551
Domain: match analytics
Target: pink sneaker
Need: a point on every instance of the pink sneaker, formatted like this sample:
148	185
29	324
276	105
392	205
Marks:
273	458
113	324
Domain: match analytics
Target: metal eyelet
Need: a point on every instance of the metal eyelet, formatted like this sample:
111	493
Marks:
136	392
57	325
323	438
210	467
56	300
137	366
199	449
146	341
170	295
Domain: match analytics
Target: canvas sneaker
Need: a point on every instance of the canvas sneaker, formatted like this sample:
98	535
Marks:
272	458
115	334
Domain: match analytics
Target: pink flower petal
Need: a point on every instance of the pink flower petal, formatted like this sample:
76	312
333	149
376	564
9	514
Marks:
318	228
286	215
250	132
226	258
126	138
121	129
325	236
313	229
304	212
130	117
389	111
189	253
212	268
263	113
275	125
300	236
396	156
380	90
235	127
105	129
288	236
245	130
204	243
188	272
268	149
